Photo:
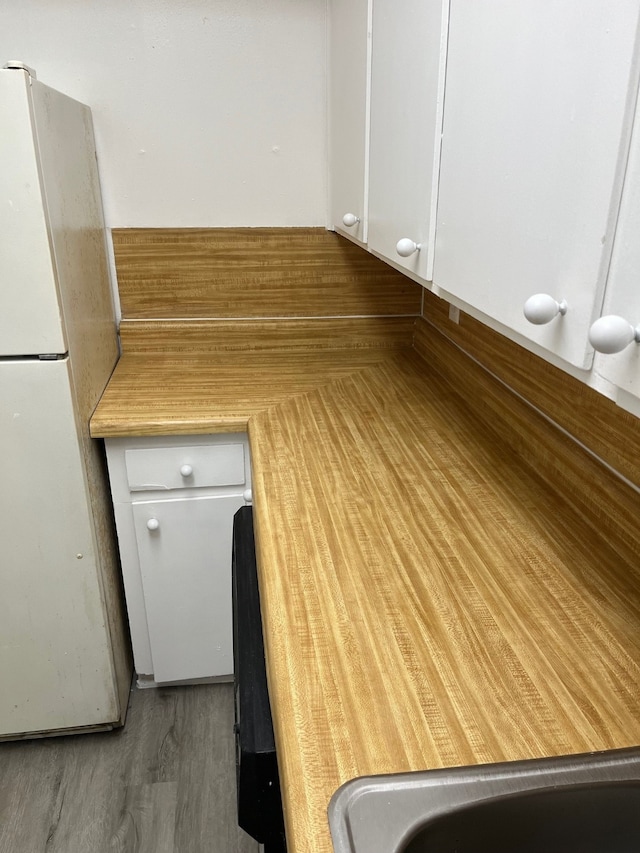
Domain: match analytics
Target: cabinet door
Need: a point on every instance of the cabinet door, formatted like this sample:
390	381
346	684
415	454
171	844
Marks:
535	134
185	560
622	297
406	95
349	59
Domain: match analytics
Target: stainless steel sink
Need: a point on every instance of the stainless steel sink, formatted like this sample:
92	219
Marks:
579	804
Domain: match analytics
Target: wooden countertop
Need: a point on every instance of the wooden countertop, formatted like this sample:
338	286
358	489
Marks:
192	393
427	600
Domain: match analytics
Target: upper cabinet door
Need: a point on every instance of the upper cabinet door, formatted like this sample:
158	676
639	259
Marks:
349	67
407	80
535	136
622	298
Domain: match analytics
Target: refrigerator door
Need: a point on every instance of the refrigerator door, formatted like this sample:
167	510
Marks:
30	313
56	659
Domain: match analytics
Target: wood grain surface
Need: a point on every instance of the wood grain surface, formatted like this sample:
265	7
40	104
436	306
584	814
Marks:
612	433
293	336
606	502
189	394
430	597
254	272
427	600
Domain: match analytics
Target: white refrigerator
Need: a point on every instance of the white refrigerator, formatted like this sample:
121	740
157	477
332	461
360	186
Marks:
64	658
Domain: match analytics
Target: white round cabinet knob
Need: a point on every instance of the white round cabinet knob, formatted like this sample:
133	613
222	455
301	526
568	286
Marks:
542	308
247	495
612	334
350	219
186	470
406	247
153	524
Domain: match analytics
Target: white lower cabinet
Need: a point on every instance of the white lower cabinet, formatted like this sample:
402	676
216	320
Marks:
184	548
174	501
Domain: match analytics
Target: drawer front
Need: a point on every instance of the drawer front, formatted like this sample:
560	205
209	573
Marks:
162	468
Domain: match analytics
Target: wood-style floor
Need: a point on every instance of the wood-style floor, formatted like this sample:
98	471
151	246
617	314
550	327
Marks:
165	783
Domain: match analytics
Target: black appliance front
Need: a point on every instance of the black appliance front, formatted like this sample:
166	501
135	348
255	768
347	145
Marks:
258	786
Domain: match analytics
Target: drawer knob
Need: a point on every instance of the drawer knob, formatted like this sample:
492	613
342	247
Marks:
186	470
350	219
406	247
247	495
542	308
153	524
612	334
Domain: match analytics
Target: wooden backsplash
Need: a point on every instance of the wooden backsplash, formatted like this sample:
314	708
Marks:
226	273
606	502
592	419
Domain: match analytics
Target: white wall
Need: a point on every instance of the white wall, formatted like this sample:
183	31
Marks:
207	112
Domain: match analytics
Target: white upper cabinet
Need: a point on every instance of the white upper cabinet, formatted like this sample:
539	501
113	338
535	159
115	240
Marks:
407	78
349	63
539	103
622	298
